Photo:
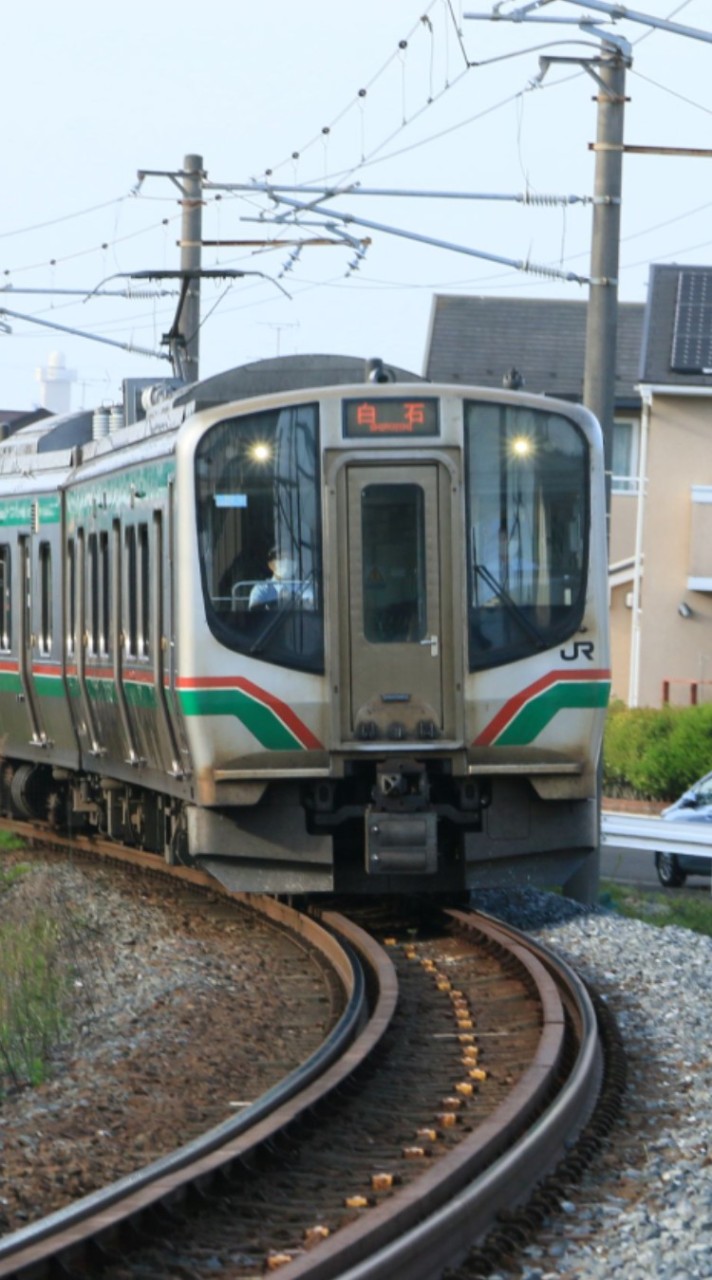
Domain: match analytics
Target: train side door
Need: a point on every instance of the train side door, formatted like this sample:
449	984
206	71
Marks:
26	642
399	632
87	725
161	668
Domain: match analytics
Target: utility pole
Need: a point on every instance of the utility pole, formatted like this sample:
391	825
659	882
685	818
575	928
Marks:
190	260
599	380
183	340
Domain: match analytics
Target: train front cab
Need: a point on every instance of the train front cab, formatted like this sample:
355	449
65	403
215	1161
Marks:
472	654
445	670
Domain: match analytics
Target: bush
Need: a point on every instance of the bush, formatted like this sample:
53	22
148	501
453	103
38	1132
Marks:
655	755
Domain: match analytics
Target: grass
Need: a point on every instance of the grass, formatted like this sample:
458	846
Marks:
46	963
34	993
660	909
9	842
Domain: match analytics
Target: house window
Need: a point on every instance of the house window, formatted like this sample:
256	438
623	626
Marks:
699	577
624	457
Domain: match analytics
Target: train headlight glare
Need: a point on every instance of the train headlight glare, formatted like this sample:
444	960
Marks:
522	446
260	452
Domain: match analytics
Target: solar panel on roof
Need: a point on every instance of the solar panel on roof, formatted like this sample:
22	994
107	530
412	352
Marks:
692	332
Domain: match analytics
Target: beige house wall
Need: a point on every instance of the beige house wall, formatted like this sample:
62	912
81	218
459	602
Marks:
621	636
672	648
624	508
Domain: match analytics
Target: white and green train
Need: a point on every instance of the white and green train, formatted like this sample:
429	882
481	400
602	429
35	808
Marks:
312	626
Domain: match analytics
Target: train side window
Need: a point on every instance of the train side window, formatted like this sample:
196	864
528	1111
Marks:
71	598
5	598
527	487
144	591
105	595
130	562
45	568
92	613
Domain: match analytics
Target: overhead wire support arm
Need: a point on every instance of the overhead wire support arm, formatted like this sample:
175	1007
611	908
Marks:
91	337
175	339
619	11
98	292
520	197
615	12
350	218
205	273
521	15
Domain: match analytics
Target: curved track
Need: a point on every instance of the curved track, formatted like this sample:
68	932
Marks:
446	1194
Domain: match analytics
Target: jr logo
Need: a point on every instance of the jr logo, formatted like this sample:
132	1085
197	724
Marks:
579	649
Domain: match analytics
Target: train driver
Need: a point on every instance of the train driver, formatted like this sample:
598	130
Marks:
283	586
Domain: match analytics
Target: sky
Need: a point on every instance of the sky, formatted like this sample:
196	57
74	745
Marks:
412	95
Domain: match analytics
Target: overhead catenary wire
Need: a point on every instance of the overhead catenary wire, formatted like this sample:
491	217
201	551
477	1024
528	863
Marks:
375	158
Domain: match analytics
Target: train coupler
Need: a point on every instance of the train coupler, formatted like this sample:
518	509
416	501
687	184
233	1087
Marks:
401	842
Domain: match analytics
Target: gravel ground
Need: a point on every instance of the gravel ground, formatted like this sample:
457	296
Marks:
154	1055
644	1210
182	1012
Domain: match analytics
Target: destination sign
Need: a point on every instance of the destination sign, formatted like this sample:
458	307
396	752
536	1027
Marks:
391	416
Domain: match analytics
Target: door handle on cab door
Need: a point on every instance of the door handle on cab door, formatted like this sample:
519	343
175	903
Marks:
434	642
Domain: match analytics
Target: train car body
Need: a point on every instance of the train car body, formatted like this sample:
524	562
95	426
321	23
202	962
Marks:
312	630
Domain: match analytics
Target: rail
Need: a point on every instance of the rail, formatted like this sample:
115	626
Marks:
42	1248
453	1208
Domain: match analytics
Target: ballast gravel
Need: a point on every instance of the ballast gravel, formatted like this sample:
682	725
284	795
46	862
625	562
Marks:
184	1011
643	1210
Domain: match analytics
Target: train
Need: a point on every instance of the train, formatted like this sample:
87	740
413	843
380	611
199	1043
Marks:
315	625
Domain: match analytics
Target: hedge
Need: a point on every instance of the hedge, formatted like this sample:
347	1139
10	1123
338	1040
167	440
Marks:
655	755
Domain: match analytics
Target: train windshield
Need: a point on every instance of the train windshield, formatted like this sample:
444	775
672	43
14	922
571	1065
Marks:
527	520
259	528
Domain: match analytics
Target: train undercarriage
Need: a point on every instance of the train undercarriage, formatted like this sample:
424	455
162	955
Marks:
388	827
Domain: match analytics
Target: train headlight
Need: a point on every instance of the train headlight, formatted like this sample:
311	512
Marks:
521	447
260	452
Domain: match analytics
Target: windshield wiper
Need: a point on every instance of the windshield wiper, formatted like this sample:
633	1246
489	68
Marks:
284	610
511	605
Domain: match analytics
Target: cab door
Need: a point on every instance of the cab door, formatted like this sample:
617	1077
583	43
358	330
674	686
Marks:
395	589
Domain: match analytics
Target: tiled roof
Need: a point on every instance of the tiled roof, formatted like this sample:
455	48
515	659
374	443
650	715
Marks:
479	339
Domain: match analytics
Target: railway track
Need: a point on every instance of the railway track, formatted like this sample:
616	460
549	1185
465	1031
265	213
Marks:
463	1068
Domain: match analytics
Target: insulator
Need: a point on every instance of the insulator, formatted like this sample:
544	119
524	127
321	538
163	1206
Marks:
531	197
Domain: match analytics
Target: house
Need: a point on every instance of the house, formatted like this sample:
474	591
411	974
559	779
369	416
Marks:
669	602
660	555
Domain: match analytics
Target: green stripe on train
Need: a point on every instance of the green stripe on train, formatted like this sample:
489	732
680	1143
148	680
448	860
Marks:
535	716
263	723
49	686
139	485
25	511
102	690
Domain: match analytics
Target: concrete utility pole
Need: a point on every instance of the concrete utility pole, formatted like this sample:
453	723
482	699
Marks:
183	339
191	186
599	382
